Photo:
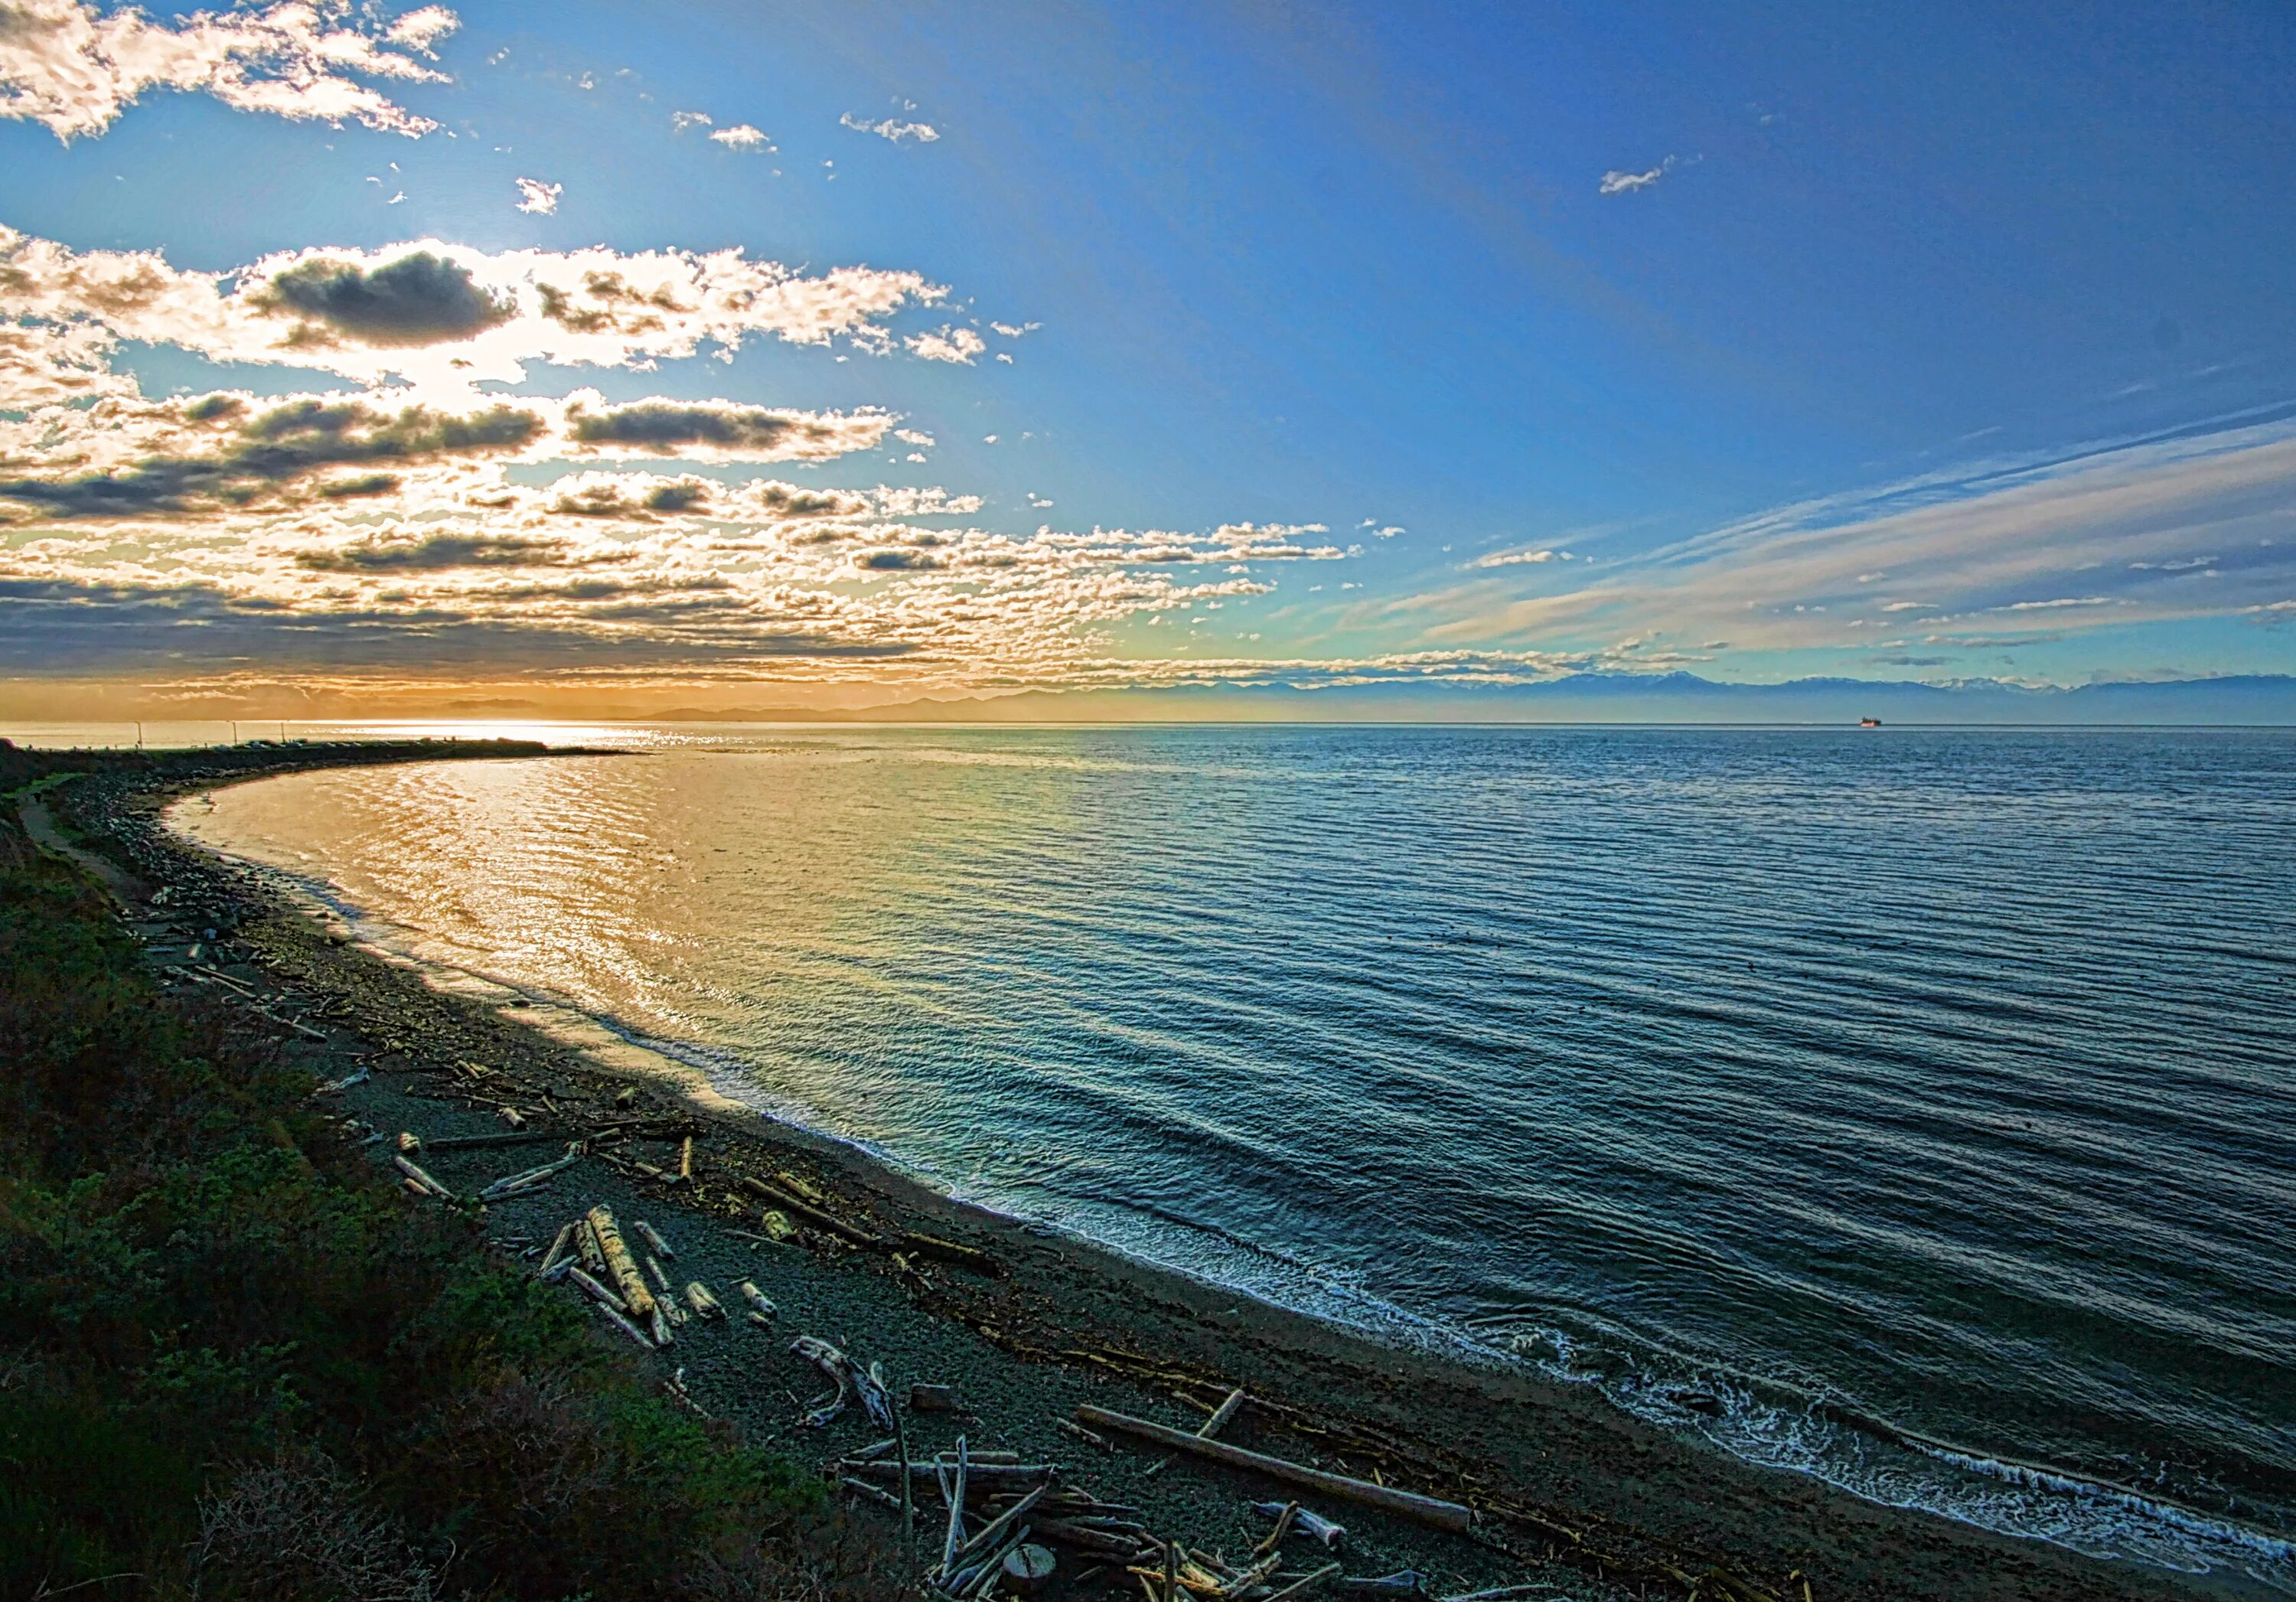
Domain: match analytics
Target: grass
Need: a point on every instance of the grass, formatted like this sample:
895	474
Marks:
234	1362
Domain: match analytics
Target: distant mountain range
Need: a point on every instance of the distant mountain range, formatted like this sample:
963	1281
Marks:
2255	699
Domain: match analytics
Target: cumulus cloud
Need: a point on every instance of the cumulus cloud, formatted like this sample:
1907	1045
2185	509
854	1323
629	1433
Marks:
435	314
679	121
741	136
899	132
73	69
535	195
424	519
261	456
202	457
960	345
419	299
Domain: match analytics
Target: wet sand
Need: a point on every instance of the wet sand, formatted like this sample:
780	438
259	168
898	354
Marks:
1570	1492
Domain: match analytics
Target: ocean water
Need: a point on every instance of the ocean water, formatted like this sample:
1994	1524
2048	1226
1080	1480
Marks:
1914	1108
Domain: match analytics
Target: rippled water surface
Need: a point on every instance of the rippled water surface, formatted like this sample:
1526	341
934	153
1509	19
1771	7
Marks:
1945	1077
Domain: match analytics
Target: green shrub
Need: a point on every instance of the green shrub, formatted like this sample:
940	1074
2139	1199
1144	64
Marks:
232	1358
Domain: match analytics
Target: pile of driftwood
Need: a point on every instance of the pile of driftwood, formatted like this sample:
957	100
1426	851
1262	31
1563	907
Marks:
592	1253
1001	1521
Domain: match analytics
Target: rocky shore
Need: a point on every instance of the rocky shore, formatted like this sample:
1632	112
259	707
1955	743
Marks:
1571	1498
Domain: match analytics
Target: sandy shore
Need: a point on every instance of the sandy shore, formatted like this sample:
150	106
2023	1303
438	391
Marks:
1571	1492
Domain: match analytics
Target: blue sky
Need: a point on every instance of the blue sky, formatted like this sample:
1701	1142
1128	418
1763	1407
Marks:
1946	342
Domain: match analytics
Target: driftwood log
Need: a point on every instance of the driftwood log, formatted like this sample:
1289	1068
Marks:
788	1202
1408	1504
620	1264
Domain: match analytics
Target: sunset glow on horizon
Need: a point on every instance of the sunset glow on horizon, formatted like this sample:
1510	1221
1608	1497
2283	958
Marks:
447	363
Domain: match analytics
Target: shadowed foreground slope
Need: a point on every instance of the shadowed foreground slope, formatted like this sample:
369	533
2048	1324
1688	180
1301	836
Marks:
232	1359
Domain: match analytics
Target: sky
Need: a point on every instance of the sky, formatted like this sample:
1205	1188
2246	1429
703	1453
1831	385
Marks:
599	359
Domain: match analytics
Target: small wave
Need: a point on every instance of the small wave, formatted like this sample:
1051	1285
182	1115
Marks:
1762	1423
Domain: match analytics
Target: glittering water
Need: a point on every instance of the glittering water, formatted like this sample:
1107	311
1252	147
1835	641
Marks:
1942	1076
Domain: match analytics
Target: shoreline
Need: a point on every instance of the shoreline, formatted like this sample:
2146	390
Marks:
615	1049
1537	1455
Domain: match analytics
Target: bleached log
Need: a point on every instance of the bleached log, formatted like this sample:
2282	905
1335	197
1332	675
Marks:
954	1534
625	1326
1408	1504
1309	1523
1068	1532
948	1250
653	1238
876	1399
619	1263
563	1245
1027	1567
871	1492
597	1290
1298	1586
779	1196
1226	1410
704	1304
759	1305
423	1180
985	1478
994	1530
529	1179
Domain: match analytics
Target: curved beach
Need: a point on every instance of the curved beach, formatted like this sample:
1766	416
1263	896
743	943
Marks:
1544	1457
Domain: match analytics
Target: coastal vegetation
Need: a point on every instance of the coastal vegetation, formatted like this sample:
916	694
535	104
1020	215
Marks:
235	1362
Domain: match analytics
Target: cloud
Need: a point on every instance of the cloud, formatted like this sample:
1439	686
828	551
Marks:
437	314
741	136
259	459
427	519
435	553
535	195
73	70
679	121
414	299
898	561
2068	542
52	626
959	345
646	496
721	429
1507	558
1616	182
899	133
